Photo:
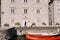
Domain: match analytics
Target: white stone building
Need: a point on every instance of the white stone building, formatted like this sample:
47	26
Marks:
56	12
51	13
25	12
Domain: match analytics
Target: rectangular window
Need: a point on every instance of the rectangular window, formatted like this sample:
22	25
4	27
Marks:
12	10
38	11
12	1
25	1
38	1
25	11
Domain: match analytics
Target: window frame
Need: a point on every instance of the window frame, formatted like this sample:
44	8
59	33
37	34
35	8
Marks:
37	1
25	1
12	10
12	1
38	11
25	11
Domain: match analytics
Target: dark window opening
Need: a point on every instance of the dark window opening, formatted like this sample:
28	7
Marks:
12	1
38	11
25	11
12	10
25	0
38	1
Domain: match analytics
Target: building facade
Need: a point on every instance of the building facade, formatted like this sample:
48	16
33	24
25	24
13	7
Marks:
24	13
56	12
51	13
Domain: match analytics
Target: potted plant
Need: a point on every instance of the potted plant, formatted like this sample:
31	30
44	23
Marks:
57	24
43	23
33	25
17	24
6	25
